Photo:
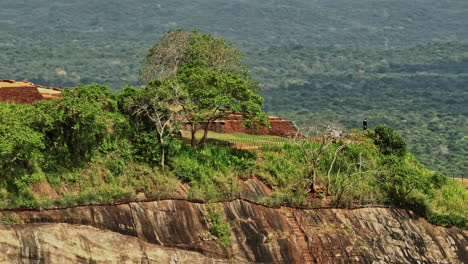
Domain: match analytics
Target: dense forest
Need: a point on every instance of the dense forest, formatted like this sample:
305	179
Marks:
421	91
396	62
253	24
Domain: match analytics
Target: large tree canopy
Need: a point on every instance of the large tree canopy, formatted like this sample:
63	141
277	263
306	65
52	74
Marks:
211	74
181	48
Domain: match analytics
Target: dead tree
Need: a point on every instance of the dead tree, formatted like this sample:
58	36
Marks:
311	154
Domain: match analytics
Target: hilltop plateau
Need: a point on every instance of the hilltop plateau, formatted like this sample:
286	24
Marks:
396	62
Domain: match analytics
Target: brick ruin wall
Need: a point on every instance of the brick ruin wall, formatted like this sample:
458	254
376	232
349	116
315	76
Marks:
279	127
282	128
25	92
22	95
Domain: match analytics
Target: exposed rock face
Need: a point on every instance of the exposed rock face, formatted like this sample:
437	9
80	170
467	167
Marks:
64	243
176	231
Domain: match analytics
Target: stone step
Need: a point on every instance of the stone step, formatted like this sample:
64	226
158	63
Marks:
301	241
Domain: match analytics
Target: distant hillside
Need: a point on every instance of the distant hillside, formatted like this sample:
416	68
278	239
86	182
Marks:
421	91
104	40
356	23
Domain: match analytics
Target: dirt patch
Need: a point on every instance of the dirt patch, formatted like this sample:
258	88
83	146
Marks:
464	181
43	189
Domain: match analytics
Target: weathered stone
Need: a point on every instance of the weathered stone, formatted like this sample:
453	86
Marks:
177	231
141	196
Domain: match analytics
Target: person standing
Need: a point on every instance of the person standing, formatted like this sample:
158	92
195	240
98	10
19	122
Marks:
364	124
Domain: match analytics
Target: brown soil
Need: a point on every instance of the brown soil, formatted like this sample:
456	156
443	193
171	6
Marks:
464	181
44	189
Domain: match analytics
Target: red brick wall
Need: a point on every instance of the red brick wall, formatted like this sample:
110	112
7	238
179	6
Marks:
233	124
280	127
22	95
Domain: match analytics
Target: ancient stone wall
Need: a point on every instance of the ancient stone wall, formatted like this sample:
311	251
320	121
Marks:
22	95
233	124
26	92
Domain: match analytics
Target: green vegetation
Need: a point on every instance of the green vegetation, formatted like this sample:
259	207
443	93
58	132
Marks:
419	91
351	23
397	62
123	159
240	139
95	146
10	220
218	227
206	80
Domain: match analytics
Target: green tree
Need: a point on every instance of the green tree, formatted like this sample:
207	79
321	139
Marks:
389	141
402	172
403	175
81	122
179	48
212	77
160	104
20	144
211	95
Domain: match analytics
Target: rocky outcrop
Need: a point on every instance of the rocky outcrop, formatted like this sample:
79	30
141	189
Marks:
64	243
177	231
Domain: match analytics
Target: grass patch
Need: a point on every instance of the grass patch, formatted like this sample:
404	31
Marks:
216	138
217	225
11	219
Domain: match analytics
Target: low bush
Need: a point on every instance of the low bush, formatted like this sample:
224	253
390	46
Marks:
212	172
217	226
282	166
448	220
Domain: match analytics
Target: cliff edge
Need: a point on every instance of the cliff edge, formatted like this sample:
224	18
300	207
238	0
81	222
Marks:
178	231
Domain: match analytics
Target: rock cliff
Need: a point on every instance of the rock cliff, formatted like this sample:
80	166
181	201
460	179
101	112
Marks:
178	231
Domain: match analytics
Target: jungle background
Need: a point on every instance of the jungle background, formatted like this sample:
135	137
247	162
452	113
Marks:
395	62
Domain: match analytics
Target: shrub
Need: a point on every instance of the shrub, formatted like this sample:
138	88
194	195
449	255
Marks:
419	204
11	219
290	197
80	123
218	227
448	220
146	146
438	180
21	145
281	166
389	141
194	164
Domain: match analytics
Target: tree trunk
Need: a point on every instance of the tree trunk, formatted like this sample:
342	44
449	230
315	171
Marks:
163	153
205	134
312	181
193	131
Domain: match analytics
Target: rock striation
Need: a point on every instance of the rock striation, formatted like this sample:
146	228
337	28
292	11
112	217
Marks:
178	231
